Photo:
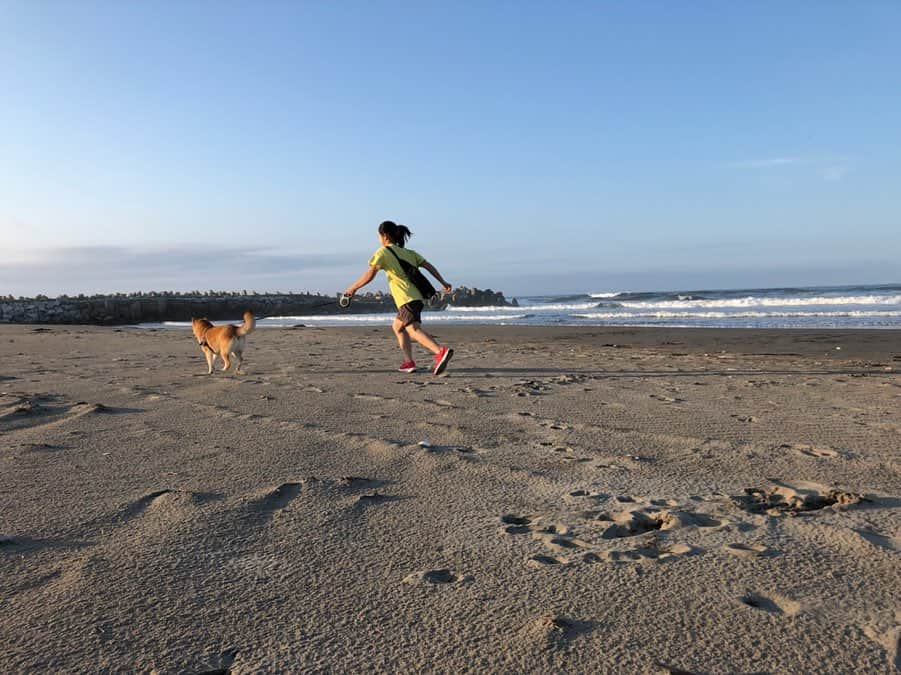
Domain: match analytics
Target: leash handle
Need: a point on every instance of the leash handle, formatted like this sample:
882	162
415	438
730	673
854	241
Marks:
344	301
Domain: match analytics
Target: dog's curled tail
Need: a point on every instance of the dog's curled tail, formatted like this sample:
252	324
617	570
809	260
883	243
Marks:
249	324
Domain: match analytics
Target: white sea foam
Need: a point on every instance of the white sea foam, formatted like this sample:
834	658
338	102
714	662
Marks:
754	301
482	310
862	306
429	317
861	314
558	307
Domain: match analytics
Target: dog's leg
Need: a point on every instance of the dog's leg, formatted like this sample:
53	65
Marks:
239	357
224	356
210	356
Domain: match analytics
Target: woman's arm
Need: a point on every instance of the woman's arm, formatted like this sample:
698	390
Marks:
366	277
435	273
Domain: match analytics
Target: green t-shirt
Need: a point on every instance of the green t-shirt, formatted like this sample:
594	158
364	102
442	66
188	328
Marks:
401	289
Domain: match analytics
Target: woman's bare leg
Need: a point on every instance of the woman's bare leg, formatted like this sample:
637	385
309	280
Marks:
403	339
414	330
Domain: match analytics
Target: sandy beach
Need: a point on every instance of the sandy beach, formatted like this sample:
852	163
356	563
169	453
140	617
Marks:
564	500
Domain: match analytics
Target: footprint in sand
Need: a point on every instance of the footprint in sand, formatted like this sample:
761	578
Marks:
811	451
358	482
161	509
792	498
650	552
634	522
630	523
478	393
437	577
154	499
663	502
26	411
84	408
676	519
275	500
581	496
156	514
748	419
516	524
19	405
566	454
462	449
29	412
560	543
370	397
773	603
42	447
543	561
554	426
553	630
888	636
666	399
440	402
881	540
635	518
529	388
374	498
748	551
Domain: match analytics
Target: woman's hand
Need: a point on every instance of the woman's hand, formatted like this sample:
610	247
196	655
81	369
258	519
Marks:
366	277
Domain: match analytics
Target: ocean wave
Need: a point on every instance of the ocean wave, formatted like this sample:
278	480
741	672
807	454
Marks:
568	298
863	306
757	301
861	314
559	307
451	309
429	317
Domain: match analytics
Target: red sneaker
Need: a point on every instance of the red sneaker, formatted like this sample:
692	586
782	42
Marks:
441	359
407	367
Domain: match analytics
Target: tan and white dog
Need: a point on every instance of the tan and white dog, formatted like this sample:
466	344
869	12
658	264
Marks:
223	341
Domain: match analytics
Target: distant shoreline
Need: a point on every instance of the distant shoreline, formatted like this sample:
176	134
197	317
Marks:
133	308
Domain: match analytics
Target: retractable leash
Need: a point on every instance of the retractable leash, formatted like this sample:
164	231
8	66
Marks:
343	302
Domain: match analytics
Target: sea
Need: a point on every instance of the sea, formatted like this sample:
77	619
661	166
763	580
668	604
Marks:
831	307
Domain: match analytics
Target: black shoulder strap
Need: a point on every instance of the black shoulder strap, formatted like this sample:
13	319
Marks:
415	277
403	263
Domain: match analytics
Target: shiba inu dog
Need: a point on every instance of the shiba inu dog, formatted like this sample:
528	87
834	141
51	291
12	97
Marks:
223	341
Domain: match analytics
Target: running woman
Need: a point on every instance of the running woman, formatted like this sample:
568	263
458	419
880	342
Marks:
407	324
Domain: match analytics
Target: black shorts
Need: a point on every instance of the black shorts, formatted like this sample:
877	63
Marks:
410	313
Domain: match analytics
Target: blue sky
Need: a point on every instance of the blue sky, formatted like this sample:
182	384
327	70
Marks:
531	146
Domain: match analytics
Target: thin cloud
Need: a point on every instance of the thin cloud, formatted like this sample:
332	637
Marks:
830	169
767	163
109	269
833	174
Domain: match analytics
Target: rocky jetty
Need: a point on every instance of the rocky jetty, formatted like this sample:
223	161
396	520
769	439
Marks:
132	308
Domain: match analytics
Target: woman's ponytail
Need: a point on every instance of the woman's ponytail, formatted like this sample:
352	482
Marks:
397	234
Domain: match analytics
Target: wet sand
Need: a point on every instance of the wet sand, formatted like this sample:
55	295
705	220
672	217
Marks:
565	500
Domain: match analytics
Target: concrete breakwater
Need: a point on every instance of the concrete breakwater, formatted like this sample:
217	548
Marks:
158	307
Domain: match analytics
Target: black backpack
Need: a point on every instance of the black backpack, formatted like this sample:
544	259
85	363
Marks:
417	278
